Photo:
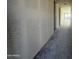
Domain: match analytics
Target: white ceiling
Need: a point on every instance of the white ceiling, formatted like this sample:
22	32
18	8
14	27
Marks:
63	1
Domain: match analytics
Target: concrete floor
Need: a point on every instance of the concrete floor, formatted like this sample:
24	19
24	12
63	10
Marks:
58	47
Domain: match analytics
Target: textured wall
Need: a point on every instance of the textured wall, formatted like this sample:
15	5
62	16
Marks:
30	25
57	15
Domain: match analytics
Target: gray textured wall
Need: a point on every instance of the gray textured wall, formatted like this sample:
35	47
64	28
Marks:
30	25
57	15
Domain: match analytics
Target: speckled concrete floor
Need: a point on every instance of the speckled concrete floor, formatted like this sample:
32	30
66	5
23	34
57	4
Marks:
58	47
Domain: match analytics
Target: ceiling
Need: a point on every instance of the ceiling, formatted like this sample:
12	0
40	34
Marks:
64	1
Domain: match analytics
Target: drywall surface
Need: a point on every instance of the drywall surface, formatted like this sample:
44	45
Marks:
30	25
57	16
47	19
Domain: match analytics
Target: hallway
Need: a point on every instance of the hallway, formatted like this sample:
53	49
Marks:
58	47
30	25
